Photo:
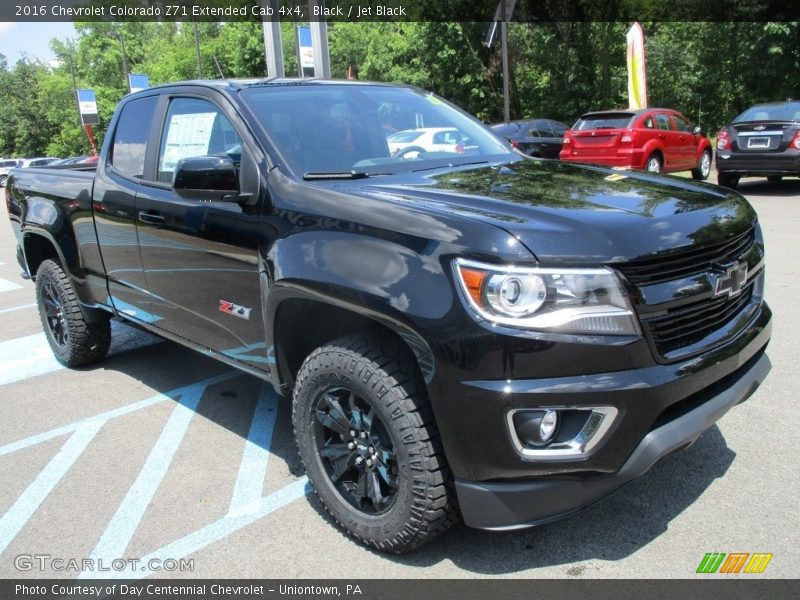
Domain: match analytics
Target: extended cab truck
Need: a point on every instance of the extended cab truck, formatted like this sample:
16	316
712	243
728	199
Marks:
476	332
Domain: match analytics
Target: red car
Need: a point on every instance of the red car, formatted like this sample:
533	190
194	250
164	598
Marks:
658	140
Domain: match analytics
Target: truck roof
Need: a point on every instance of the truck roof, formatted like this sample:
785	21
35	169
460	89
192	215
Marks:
238	84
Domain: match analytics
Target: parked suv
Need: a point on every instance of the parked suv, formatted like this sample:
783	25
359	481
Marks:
651	139
762	141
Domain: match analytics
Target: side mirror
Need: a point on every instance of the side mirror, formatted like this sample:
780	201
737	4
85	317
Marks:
206	178
697	130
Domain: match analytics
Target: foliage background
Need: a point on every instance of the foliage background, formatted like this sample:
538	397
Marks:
709	71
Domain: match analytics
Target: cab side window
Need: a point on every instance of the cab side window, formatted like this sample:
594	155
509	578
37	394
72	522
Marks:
130	137
195	127
663	122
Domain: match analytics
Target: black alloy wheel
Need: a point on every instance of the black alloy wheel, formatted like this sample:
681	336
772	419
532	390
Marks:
356	450
54	314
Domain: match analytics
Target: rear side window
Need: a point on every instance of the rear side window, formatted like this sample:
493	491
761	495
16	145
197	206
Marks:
663	122
604	121
544	130
130	137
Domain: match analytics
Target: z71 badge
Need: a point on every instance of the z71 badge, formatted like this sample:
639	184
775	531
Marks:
234	309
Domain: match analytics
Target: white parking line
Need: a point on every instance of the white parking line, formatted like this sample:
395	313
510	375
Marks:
13	308
126	520
26	357
28	503
7	286
215	531
111	414
30	356
247	492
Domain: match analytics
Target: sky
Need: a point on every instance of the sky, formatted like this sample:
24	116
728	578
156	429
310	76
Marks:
33	39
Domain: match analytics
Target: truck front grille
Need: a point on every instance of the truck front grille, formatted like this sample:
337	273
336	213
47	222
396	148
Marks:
691	324
688	262
683	325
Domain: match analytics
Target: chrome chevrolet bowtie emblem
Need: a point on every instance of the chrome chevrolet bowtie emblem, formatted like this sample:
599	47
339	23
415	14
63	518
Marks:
760	127
731	281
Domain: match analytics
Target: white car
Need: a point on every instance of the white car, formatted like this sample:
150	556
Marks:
6	165
41	161
411	142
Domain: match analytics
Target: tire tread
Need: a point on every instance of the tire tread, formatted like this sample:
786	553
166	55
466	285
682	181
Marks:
434	508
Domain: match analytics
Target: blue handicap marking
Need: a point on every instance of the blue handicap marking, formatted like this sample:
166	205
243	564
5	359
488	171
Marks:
247	505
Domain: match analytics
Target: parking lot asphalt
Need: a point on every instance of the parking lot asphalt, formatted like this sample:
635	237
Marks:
160	453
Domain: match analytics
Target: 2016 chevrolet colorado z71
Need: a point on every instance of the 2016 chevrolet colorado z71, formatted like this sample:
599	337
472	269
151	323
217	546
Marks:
460	331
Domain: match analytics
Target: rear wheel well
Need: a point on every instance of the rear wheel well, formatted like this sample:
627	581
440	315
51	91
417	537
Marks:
657	153
319	323
37	250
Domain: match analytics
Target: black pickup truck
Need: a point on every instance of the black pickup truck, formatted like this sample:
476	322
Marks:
461	331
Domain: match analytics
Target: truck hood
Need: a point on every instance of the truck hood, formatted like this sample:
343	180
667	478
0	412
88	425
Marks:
577	214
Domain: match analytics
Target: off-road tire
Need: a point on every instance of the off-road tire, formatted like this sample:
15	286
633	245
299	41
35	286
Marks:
382	373
74	340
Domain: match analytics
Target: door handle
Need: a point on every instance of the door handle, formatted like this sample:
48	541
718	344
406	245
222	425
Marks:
152	218
661	135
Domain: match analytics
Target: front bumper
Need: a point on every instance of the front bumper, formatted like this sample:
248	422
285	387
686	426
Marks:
513	505
759	163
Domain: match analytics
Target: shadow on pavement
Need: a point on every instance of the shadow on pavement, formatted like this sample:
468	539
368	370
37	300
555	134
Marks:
761	187
612	529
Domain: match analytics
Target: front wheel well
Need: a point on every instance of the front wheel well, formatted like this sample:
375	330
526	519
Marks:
302	326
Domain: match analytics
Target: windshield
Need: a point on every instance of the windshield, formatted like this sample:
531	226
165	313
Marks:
604	121
790	111
343	128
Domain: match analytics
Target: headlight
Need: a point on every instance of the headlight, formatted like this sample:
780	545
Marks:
577	301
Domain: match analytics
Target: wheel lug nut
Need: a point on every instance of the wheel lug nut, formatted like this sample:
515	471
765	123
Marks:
359	460
371	450
363	434
351	446
369	462
352	433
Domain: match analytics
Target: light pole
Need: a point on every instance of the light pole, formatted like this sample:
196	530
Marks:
117	35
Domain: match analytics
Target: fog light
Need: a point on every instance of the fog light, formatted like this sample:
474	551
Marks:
536	427
548	425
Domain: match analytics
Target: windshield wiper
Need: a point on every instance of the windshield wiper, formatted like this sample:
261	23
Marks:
441	166
336	175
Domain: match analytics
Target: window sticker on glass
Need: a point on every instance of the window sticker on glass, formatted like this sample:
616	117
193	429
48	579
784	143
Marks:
187	135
